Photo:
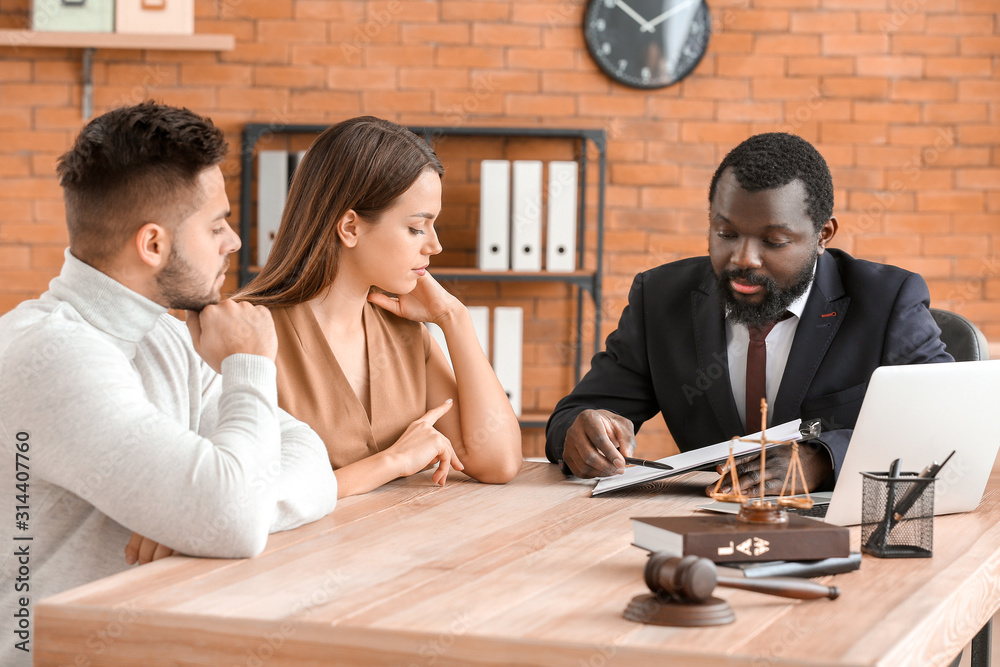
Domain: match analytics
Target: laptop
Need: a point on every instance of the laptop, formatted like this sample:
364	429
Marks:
919	414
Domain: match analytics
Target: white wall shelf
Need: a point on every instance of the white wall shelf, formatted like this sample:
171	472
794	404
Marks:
91	41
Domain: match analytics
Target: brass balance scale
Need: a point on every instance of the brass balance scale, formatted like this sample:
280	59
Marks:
759	509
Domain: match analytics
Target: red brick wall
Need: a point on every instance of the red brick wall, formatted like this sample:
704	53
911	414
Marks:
901	96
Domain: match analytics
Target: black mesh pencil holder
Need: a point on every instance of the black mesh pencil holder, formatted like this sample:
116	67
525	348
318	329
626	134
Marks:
897	515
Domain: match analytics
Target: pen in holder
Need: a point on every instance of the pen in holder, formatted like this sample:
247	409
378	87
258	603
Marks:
897	515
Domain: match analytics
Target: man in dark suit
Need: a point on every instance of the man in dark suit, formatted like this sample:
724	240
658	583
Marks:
770	313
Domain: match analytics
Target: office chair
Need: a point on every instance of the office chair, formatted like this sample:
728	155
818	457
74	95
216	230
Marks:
961	338
965	342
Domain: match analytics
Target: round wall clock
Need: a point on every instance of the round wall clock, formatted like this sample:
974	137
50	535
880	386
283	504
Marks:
647	43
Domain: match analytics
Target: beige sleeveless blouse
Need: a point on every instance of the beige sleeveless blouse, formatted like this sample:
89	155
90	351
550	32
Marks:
313	388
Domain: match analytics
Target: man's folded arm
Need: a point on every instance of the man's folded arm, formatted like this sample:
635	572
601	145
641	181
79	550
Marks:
95	433
307	487
618	380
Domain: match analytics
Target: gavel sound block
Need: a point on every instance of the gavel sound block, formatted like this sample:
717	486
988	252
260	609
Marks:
682	592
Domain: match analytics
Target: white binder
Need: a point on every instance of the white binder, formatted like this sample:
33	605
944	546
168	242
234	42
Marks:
526	216
494	215
481	323
294	158
272	189
437	333
560	240
507	340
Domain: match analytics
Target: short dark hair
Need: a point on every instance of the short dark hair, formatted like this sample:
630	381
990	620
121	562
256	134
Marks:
130	166
775	159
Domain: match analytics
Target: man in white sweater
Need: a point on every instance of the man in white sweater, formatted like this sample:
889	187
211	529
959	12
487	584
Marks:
115	416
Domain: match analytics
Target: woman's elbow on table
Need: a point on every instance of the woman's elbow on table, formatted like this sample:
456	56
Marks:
500	473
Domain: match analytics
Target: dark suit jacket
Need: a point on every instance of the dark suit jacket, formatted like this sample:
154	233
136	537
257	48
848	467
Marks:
669	352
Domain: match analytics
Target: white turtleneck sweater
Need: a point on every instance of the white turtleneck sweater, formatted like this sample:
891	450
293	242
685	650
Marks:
127	429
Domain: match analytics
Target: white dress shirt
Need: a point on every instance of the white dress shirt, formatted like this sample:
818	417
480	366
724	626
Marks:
778	344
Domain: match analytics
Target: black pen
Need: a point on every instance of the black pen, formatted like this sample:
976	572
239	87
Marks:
878	537
911	496
647	464
895	468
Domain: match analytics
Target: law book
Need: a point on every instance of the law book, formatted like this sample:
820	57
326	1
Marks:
725	539
793	568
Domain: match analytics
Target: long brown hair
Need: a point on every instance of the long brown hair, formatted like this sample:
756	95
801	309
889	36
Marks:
363	164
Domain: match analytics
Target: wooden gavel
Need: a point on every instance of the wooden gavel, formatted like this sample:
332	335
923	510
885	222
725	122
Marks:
693	579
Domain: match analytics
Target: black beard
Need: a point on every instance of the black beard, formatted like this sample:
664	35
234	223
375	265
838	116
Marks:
776	301
176	283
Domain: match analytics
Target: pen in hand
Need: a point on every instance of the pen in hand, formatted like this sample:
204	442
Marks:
647	464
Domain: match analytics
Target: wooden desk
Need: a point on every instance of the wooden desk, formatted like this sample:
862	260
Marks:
532	573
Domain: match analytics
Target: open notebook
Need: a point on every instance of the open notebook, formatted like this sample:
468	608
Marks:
693	460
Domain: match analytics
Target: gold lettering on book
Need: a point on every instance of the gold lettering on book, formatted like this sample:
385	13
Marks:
752	546
760	546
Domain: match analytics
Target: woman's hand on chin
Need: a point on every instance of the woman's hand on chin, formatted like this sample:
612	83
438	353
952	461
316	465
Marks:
428	302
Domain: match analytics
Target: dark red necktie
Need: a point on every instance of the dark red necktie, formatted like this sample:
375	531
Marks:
757	373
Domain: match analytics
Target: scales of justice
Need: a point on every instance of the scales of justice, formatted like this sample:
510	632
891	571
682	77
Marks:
758	509
681	588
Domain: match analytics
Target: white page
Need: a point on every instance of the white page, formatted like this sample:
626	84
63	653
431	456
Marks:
696	458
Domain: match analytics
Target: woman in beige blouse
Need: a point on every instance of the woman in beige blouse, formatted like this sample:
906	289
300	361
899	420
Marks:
355	364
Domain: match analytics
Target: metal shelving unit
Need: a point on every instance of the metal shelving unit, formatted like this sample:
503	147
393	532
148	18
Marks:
586	281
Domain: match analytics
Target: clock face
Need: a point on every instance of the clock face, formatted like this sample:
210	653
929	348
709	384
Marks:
647	43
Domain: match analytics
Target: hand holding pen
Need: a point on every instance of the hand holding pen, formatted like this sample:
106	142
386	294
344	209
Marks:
597	443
